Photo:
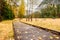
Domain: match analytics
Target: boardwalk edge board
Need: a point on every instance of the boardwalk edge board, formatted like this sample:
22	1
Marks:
15	38
50	30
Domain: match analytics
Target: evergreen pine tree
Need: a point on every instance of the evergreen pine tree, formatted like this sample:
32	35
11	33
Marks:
6	11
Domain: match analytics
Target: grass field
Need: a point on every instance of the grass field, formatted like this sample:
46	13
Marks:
49	23
6	30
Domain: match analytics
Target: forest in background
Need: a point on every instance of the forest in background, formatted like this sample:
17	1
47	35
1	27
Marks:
50	11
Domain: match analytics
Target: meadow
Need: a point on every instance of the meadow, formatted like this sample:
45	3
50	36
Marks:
49	23
6	30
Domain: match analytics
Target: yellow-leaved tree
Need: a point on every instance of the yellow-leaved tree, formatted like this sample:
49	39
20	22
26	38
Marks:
22	9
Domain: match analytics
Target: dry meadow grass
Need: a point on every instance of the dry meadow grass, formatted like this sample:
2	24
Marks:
6	30
49	23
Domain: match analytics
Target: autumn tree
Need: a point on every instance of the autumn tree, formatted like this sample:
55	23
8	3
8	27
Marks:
22	9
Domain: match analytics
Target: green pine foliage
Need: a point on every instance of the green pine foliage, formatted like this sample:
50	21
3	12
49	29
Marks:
51	12
6	12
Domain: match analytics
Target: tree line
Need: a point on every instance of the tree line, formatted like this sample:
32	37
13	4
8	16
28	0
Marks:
51	11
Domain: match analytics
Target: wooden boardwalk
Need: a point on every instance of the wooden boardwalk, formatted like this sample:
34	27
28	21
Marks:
26	32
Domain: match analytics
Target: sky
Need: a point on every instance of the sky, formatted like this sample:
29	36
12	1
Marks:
29	3
35	4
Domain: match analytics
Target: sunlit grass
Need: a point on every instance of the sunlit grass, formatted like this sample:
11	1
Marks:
53	24
6	30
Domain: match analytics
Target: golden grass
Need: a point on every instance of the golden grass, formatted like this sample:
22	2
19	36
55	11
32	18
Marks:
53	24
6	30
